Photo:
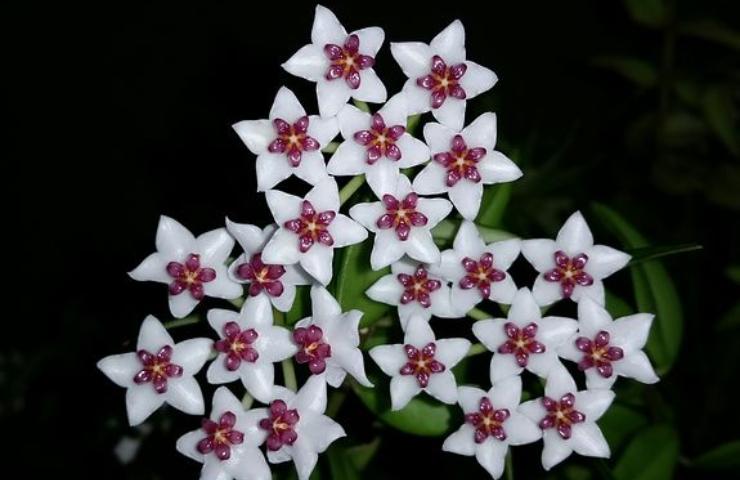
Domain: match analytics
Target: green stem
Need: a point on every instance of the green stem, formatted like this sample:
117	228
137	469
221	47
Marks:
509	466
182	322
361	105
287	365
247	401
478	314
476	349
350	188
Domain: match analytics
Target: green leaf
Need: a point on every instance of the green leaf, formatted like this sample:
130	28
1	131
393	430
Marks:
361	455
638	71
341	465
353	277
725	456
617	306
650	13
493	205
445	231
301	305
733	272
652	455
619	423
730	320
645	254
712	30
720	114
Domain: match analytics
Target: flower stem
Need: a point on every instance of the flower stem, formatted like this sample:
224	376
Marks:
478	314
476	349
287	365
350	188
180	322
509	466
247	401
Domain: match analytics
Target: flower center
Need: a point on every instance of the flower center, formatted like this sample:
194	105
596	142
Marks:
380	140
157	368
346	61
237	346
281	425
220	436
461	161
401	215
481	274
312	348
521	342
292	140
189	276
488	421
443	81
311	227
561	415
569	272
597	353
418	287
421	363
261	276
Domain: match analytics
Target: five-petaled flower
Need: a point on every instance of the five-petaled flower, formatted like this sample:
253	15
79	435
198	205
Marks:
440	78
340	63
159	371
421	363
287	143
571	266
462	162
492	423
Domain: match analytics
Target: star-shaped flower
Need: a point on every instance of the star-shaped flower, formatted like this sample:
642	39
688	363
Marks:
287	143
492	423
440	78
414	291
248	346
606	348
227	444
329	340
524	340
402	224
377	145
295	427
340	64
309	229
477	271
462	162
159	371
568	417
193	267
571	266
421	363
277	282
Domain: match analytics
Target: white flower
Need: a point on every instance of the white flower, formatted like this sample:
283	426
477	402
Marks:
277	282
159	371
309	229
524	340
376	145
414	291
421	363
462	162
571	266
340	64
193	267
248	347
228	442
287	143
568	419
402	224
605	348
296	428
440	79
477	271
329	340
492	423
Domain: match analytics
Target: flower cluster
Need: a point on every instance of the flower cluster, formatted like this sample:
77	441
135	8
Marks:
454	160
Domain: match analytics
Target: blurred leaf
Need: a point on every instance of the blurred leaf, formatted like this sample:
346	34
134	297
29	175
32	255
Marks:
720	114
712	30
353	277
617	306
341	465
445	231
729	320
722	457
301	305
652	455
493	205
361	455
638	71
644	254
650	13
688	91
619	423
733	272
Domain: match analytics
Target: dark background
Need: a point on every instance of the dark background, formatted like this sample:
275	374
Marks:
121	115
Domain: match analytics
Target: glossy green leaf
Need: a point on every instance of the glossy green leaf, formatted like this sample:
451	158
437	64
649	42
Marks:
725	456
651	455
361	455
720	113
650	13
340	464
619	423
645	254
616	306
493	205
638	71
713	31
301	305
353	277
733	273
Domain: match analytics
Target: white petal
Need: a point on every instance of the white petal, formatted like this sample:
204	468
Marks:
559	382
469	398
438	137
636	365
222	286
592	318
503	291
352	120
520	430
496	167
466	197
546	293
187	445
322	431
594	403
121	368
185	395
250	237
272	168
413	309
463	300
312	396
309	62
491	457
334	374
367	214
323	304
192	354
349	159
142	401
153	268
418	100
451	113
304	458
324	130
420	246
279	456
418	333
575	237
595	292
248	423
555	331
295	275
332	95
284	302
371	39
173	240
462	441
556	449
224	400
449	266
250	465
533	410
506	393
324	195
218	374
382	176
481	132
490	333
326	28
503	366
386	249
153	335
568	348
431	180
403	389
256	134
540	253
524	309
467	240
350	359
286	106
318	263
450	43
630	332
477	79
390	358
451	350
371	88
219	317
258	378
275	344
588	440
414	58
213	469
282	249
283	206
346	231
181	305
542	364
312	168
414	151
386	290
603	261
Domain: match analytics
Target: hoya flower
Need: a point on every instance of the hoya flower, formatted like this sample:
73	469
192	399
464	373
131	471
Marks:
492	423
462	162
340	64
571	266
568	418
414	290
440	78
192	267
309	229
295	427
421	363
477	271
402	224
227	444
329	340
377	145
606	348
277	282
287	143
159	371
248	346
524	340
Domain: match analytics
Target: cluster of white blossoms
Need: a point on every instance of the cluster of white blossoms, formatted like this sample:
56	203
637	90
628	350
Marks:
455	160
